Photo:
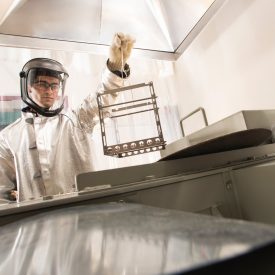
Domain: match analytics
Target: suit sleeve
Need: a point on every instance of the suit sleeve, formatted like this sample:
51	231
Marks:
87	113
7	171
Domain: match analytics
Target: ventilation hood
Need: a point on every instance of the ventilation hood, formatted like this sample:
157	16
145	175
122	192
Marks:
163	28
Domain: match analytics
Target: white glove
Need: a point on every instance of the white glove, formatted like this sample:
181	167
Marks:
120	51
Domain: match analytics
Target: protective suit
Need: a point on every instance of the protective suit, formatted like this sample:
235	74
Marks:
43	151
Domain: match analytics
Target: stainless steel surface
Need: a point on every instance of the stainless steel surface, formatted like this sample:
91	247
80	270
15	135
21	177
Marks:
176	184
255	187
191	166
243	120
163	28
234	141
124	239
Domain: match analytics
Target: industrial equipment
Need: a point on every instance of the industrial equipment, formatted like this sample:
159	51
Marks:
140	103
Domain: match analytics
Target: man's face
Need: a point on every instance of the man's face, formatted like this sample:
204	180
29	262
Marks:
44	90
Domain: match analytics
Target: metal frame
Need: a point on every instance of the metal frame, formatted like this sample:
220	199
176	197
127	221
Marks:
211	11
192	113
137	146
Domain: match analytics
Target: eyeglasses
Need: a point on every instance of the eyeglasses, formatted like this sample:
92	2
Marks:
43	85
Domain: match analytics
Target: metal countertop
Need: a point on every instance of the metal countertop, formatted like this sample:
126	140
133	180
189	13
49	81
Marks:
121	238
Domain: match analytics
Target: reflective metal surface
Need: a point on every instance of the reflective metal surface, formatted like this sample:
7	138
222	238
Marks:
162	28
240	121
123	239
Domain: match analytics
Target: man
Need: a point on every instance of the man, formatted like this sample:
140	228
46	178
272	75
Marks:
43	151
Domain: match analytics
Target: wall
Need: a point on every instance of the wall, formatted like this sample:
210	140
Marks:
231	64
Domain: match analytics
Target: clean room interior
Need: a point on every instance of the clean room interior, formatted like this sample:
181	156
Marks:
227	68
216	56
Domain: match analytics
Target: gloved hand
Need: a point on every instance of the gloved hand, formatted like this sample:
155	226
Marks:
11	195
120	51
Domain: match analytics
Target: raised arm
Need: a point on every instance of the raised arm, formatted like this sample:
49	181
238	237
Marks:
113	76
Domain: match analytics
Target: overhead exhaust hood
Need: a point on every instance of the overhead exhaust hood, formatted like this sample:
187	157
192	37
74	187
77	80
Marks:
163	28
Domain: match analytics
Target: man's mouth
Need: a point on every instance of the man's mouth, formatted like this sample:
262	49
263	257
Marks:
45	97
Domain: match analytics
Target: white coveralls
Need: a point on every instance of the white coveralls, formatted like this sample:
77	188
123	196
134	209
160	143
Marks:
42	155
